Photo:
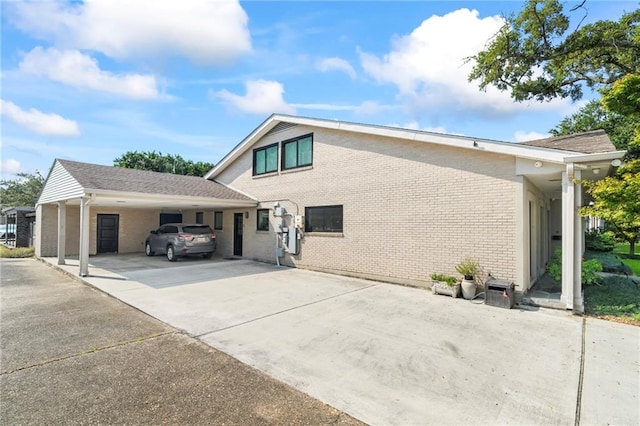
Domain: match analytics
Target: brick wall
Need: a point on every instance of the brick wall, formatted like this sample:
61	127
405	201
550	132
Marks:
410	209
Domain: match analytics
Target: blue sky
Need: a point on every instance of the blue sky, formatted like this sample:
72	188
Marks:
89	81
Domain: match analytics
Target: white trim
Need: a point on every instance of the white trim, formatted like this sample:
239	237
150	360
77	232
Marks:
498	147
602	156
62	233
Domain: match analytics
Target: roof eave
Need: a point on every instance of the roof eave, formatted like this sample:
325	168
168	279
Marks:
600	156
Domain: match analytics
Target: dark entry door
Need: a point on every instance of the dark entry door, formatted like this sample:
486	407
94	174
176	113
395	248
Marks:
237	234
108	233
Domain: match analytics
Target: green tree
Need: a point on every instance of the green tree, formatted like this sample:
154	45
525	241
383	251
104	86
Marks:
535	55
593	116
157	162
616	199
22	191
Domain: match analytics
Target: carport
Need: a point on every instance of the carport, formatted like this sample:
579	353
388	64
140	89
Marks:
82	190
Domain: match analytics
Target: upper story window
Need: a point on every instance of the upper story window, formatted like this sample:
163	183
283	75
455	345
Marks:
265	159
323	219
297	152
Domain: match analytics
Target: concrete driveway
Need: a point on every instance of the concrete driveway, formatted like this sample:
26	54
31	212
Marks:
387	354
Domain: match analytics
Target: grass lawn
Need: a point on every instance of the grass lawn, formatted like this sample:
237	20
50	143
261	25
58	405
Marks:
622	250
617	298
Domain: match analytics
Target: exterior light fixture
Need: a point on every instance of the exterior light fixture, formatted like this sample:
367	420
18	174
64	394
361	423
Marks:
596	171
616	163
538	164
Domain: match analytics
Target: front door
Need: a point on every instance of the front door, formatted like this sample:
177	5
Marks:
108	233
237	234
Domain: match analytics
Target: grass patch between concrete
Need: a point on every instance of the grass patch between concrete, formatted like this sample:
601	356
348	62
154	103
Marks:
19	252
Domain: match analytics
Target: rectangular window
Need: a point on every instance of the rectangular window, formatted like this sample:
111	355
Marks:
297	152
217	220
263	220
199	218
265	160
323	219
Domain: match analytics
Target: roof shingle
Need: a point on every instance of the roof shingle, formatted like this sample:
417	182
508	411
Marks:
592	142
99	177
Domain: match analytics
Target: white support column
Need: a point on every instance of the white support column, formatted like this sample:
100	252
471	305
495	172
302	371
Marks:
85	224
578	246
62	231
568	236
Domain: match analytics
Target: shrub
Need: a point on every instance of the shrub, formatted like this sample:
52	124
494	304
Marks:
590	268
444	278
468	267
609	260
599	241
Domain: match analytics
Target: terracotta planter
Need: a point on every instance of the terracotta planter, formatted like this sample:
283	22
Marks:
441	287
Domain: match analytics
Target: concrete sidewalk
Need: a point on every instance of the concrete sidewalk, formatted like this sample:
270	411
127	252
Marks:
70	354
394	355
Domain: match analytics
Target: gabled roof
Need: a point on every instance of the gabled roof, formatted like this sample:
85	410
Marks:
95	176
592	142
71	179
545	153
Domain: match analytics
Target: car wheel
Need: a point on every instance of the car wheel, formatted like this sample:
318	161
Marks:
171	254
147	250
207	255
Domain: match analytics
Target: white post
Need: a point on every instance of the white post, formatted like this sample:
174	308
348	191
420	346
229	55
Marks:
84	235
62	233
578	246
568	236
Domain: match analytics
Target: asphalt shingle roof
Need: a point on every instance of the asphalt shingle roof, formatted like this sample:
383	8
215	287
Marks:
95	176
587	143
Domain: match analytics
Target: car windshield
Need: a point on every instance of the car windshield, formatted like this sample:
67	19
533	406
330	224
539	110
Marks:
205	229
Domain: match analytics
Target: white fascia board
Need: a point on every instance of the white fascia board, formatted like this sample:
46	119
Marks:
587	158
466	142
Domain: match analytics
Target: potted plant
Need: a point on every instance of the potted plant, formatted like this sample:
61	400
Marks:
468	268
445	284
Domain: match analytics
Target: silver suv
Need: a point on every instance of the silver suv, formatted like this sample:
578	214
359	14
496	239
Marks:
181	239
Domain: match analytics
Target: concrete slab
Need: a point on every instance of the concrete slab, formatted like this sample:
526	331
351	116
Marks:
72	355
611	389
394	355
383	353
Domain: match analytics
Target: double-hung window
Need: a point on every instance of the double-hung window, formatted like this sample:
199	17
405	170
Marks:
297	152
265	159
323	219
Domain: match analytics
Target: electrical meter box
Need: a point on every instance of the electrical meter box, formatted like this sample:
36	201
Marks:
278	211
298	221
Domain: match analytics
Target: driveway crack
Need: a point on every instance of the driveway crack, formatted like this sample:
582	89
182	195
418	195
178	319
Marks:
87	352
286	310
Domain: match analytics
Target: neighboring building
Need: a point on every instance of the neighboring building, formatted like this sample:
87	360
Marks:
18	230
377	202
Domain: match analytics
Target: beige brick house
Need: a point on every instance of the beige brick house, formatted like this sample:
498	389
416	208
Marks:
378	202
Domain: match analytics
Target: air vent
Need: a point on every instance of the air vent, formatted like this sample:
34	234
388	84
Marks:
280	127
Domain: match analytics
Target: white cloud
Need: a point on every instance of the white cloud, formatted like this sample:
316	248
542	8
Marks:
208	32
262	97
428	66
336	64
521	136
10	167
39	122
77	69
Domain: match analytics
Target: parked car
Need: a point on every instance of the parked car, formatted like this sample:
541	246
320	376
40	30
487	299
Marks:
181	239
